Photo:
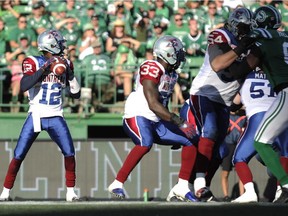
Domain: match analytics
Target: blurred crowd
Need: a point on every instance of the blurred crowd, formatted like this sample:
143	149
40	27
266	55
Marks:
107	40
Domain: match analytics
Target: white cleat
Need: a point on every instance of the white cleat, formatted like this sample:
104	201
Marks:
5	195
277	194
246	198
72	197
172	197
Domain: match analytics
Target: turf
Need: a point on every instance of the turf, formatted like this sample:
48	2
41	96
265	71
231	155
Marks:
137	208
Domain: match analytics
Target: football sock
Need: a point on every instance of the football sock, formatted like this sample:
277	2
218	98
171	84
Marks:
272	161
131	161
70	171
205	150
188	157
12	173
244	172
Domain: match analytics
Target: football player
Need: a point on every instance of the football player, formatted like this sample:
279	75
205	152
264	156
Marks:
214	87
147	119
270	54
45	109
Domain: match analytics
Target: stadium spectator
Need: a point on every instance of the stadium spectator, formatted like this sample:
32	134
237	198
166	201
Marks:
113	40
255	5
99	26
195	41
8	14
19	31
70	30
222	10
97	76
125	65
235	130
283	8
4	50
40	18
212	20
17	74
161	9
45	113
84	43
147	119
177	27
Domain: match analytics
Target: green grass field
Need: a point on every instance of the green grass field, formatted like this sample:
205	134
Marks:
137	208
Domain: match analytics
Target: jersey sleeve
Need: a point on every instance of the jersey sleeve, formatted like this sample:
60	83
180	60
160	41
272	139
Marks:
150	70
29	66
217	37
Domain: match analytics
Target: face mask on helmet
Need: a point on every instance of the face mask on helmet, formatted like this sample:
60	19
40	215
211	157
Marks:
240	22
51	41
170	49
267	17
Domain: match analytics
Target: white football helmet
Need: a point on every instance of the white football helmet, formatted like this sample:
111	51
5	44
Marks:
240	22
51	41
170	49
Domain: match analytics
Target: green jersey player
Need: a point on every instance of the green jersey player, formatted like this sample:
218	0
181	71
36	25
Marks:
271	54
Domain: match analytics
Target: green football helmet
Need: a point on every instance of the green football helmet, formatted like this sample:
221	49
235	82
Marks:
267	17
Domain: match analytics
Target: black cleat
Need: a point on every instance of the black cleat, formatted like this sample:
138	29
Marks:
205	195
283	197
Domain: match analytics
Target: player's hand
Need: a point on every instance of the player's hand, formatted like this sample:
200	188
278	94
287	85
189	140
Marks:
46	65
188	129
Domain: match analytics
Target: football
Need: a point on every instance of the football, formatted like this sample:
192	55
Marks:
58	67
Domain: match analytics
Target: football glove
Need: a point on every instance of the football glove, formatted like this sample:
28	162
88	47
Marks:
187	128
245	44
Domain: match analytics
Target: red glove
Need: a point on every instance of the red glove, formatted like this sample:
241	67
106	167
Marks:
188	129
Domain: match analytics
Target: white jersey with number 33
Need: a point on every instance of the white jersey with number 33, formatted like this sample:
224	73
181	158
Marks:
136	104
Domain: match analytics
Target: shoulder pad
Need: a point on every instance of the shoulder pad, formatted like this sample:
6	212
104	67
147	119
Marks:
260	33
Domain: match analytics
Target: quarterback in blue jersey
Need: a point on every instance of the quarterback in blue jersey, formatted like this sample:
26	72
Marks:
45	109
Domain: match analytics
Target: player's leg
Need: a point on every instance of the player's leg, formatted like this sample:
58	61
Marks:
243	153
170	134
140	131
274	123
26	139
59	132
212	120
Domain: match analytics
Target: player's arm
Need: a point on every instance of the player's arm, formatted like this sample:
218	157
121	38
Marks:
221	56
151	93
75	90
30	78
241	69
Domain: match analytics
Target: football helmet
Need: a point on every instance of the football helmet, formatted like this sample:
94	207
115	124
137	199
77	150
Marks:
51	41
267	17
240	22
170	49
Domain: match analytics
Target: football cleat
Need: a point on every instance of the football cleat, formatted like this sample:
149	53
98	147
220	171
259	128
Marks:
172	197
5	199
72	197
278	193
117	192
182	196
283	197
205	195
226	199
247	197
